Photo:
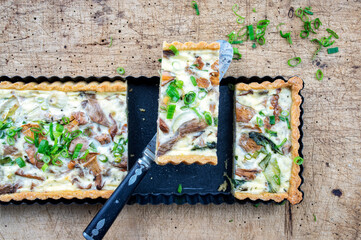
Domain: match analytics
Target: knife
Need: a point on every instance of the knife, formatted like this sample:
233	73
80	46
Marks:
104	219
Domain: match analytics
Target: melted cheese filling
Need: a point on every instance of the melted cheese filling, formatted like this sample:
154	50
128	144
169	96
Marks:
177	65
260	102
52	106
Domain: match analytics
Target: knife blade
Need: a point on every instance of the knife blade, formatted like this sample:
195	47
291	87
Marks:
101	223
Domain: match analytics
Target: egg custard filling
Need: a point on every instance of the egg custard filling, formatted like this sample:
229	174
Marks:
266	145
188	104
62	140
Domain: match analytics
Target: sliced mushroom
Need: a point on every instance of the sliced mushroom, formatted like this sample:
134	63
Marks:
167	77
199	63
163	126
21	173
248	174
94	111
7	188
247	144
244	113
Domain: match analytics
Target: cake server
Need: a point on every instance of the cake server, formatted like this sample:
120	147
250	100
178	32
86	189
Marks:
101	223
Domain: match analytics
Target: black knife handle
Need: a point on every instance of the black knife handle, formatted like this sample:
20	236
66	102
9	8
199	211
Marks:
104	219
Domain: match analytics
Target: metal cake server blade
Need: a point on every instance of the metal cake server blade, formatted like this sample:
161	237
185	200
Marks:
104	219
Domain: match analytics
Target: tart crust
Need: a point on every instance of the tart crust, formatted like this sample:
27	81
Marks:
117	86
293	195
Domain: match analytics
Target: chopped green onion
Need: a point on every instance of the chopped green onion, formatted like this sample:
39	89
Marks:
193	80
160	60
283	142
277	179
332	50
195	110
103	158
20	162
254	10
272	120
163	109
57	162
317	23
261	40
319	75
43	146
332	33
173	93
285	113
288	123
235	9
248	156
59	128
232	36
308	27
314	217
195	6
254	45
305	18
236	42
280	24
179	83
243	36
259	121
287	36
120	70
189	98
45	158
180	188
298	59
170	111
10	132
250	32
320	46
270	132
308	12
261	114
236	52
326	41
208	117
10	140
29	140
111	42
174	50
44	167
298	160
51	131
77	150
183	108
303	32
202	93
65	120
44	107
215	120
75	134
299	12
85	154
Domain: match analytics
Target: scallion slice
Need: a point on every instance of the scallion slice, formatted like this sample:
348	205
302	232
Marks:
202	93
270	132
103	158
272	120
285	113
235	9
77	150
183	108
304	34
259	121
193	80
174	50
120	70
29	140
195	6
236	52
173	93
261	114
170	111
20	162
298	160
332	33
318	49
317	23
288	123
189	98
319	75
207	117
332	50
10	140
198	114
261	40
44	167
179	84
299	12
283	142
250	32
298	59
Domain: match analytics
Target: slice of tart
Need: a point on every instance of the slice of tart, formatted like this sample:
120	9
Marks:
188	104
266	141
62	140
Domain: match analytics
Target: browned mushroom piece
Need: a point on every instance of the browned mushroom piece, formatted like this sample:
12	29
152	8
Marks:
248	174
244	93
94	111
92	164
244	113
21	173
113	129
202	82
274	102
122	164
167	77
103	138
7	188
71	126
9	150
99	182
247	144
26	130
168	53
163	126
199	63
214	77
215	65
31	151
80	117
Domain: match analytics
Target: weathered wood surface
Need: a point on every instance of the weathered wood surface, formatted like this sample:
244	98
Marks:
70	38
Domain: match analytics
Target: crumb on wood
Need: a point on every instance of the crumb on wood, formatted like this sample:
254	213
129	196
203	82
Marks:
142	109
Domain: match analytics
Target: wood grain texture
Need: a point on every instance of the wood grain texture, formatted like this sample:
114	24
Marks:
70	38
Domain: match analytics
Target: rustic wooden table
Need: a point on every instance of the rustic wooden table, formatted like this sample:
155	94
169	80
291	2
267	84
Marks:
71	38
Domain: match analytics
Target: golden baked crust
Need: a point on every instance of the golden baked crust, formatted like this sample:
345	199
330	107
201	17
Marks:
192	46
117	86
293	195
187	159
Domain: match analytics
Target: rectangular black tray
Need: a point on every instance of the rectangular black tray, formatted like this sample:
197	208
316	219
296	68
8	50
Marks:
199	183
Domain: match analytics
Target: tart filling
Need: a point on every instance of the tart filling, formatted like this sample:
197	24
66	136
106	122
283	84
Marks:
188	104
57	140
266	144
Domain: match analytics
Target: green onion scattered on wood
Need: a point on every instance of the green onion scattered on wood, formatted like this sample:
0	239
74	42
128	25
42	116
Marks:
174	50
250	32
304	34
120	70
236	52
235	9
317	23
298	160
195	6
319	75
332	50
299	12
332	33
297	59
111	42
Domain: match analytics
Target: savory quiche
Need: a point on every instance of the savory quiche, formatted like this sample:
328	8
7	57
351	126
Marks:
62	140
266	160
188	104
